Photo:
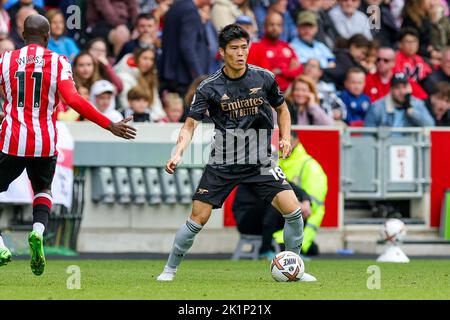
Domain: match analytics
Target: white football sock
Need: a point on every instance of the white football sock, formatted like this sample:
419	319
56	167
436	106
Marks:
39	228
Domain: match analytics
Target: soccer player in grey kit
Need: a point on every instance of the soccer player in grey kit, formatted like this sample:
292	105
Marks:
239	99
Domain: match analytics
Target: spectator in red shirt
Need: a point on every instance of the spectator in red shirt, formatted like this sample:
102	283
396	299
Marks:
378	84
282	60
410	63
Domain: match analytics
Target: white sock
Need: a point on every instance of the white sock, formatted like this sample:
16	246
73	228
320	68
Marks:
39	228
2	244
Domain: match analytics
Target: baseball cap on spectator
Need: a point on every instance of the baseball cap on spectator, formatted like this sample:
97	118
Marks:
102	86
398	78
243	19
307	17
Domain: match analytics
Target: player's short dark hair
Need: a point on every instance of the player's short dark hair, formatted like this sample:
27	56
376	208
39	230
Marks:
232	32
407	31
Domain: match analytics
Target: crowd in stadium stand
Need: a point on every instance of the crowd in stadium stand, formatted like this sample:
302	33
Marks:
344	62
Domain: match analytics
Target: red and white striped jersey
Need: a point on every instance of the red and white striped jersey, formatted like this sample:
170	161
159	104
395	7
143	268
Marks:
29	78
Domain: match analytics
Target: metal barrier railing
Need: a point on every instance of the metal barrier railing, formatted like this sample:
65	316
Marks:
384	163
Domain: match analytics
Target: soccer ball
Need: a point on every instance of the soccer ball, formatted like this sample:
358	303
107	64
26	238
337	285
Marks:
393	230
287	266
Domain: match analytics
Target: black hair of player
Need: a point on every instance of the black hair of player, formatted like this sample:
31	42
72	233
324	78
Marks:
232	32
407	31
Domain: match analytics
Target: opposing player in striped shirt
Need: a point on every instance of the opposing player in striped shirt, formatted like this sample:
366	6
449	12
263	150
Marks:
33	80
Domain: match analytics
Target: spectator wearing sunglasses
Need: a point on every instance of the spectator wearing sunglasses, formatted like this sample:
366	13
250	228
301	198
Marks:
378	84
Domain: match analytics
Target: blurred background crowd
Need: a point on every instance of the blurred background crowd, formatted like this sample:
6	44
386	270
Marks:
344	62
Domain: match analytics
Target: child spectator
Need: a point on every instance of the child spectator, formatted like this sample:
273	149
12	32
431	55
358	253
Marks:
59	43
410	63
355	100
173	105
416	16
138	102
102	96
370	63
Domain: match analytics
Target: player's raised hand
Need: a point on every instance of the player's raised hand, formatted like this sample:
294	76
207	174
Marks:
121	129
285	147
172	163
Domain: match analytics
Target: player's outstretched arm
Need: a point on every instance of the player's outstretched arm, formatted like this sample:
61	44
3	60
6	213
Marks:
121	129
184	138
284	125
70	96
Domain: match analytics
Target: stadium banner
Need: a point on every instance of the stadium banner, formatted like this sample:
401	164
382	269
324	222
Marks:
20	191
324	146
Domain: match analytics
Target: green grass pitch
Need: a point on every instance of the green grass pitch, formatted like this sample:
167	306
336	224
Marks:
223	279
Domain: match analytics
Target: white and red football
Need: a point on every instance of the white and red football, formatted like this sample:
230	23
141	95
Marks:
287	266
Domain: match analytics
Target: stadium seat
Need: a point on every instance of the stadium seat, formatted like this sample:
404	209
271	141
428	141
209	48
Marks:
137	185
254	242
183	183
122	183
169	189
154	191
103	185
